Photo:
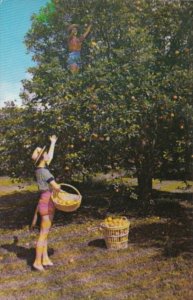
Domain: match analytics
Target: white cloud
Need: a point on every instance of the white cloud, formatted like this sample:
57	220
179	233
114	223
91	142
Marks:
10	91
28	76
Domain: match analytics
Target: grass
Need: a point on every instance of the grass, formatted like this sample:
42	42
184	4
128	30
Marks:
10	186
156	265
177	185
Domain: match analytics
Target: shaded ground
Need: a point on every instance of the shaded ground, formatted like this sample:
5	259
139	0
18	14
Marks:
156	265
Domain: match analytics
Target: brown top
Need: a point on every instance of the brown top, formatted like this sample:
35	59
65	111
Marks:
75	43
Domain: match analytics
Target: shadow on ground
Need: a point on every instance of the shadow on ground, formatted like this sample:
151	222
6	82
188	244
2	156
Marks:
98	243
172	231
27	254
17	209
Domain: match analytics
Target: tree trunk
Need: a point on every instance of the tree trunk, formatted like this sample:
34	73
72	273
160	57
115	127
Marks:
144	177
145	188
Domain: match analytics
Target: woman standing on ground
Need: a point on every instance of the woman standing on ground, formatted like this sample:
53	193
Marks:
46	209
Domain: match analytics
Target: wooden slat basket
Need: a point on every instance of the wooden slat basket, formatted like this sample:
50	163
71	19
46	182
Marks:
116	236
65	201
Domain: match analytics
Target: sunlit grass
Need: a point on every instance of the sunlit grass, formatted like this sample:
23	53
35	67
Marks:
10	186
176	185
31	188
138	272
7	181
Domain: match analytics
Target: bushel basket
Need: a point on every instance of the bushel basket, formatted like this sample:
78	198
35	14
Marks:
65	201
116	236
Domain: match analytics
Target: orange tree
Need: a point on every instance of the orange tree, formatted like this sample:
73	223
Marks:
130	106
12	134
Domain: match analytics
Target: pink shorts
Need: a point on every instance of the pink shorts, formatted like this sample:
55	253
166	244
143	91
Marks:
45	204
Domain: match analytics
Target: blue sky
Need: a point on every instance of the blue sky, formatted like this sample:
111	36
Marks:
14	60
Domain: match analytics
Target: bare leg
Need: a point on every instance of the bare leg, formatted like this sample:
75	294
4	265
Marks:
35	217
42	242
45	258
74	68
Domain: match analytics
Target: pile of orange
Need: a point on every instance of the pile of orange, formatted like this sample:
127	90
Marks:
115	221
67	202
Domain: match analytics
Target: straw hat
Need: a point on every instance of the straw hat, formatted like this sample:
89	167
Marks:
72	26
37	154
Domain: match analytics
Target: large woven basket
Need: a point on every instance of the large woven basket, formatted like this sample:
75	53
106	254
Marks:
65	201
116	237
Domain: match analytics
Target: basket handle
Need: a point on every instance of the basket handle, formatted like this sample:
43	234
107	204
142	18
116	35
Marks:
71	187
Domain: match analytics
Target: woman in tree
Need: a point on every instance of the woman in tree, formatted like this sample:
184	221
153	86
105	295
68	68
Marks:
74	47
46	184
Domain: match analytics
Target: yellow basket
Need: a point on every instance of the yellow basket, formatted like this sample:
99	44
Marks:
65	201
116	237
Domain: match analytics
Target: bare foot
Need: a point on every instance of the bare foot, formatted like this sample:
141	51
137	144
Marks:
38	267
47	262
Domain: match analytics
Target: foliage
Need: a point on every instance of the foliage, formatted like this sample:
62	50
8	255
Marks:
130	106
14	139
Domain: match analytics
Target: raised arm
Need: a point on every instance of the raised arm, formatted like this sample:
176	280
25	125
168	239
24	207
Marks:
87	31
53	140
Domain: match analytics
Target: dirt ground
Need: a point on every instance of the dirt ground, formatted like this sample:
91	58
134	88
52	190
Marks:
158	263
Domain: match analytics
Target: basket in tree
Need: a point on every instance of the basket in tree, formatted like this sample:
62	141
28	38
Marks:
116	231
66	201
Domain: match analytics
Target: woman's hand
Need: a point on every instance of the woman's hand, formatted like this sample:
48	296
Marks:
53	138
55	185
